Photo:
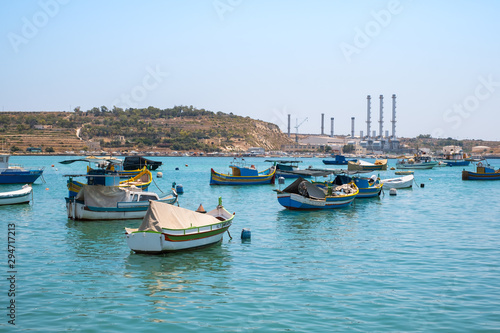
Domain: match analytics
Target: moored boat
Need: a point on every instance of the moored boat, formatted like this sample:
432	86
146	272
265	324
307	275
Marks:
289	169
483	172
361	165
398	182
24	195
97	202
17	174
304	195
241	174
167	228
418	161
454	156
338	160
109	178
368	187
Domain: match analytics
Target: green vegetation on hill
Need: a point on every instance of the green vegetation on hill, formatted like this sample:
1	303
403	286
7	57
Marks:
177	128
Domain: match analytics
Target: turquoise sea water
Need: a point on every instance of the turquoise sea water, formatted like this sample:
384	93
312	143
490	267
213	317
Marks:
426	260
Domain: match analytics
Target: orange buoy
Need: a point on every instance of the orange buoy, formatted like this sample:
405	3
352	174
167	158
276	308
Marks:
201	209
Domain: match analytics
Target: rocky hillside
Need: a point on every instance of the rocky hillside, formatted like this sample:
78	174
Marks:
180	128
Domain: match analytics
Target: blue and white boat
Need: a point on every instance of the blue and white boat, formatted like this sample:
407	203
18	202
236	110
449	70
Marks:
368	187
289	169
338	160
304	195
484	171
24	195
97	202
455	158
16	174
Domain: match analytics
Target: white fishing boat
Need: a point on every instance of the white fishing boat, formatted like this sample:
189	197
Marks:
97	202
23	195
167	228
399	182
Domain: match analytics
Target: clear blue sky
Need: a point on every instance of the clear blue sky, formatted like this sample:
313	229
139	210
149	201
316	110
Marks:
261	58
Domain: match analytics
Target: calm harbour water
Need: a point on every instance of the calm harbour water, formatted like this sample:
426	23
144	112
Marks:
425	260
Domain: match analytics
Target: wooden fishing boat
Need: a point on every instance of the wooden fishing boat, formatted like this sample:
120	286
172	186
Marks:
109	178
367	187
241	174
483	172
289	169
16	174
108	163
398	182
139	162
456	158
304	195
418	161
97	202
24	195
404	172
361	165
167	228
338	160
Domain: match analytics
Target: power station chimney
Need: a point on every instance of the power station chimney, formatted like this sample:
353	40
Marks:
288	125
381	121
352	127
322	124
393	121
368	115
331	130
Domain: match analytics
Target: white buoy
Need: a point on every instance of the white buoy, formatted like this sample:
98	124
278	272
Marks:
159	175
393	191
281	180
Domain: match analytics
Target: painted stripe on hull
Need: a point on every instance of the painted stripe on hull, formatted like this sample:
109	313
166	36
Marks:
295	201
467	175
25	198
220	179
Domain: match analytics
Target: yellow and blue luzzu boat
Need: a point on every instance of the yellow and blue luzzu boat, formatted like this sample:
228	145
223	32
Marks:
304	195
109	178
368	187
483	172
243	175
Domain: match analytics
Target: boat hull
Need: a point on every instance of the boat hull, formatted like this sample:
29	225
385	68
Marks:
16	197
225	179
416	166
177	240
456	162
77	210
397	183
296	201
19	177
468	175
